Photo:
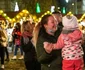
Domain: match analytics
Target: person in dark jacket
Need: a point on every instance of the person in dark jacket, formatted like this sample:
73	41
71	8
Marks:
46	31
58	18
17	36
30	59
3	44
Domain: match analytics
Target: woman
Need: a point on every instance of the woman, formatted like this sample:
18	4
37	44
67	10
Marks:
47	32
3	44
30	59
5	48
17	36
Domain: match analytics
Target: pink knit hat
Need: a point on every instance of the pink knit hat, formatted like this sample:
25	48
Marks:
70	23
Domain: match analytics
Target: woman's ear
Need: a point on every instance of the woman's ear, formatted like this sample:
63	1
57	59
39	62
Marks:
45	25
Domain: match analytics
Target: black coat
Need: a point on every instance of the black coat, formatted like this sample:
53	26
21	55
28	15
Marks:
28	49
30	57
52	61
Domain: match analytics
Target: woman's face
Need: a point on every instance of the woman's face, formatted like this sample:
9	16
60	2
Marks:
27	27
50	26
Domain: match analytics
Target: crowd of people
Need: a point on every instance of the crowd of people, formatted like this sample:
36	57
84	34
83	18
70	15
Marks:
55	43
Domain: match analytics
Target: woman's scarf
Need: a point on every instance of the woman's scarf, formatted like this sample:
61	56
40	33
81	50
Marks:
26	36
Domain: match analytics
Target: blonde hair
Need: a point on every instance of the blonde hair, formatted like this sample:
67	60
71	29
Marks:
36	33
23	27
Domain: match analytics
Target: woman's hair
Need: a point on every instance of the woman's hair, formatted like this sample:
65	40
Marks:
40	27
56	12
18	26
3	35
28	24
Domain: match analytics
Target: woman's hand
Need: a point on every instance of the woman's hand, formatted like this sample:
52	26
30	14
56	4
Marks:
47	47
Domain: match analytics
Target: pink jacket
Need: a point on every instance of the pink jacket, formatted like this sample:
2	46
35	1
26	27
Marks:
71	45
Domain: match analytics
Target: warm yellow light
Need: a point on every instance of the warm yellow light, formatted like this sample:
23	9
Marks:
48	11
42	15
4	15
69	13
1	11
34	17
21	14
17	16
13	19
8	18
84	14
27	12
24	11
45	13
39	19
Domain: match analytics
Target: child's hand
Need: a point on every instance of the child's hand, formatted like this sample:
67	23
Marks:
47	47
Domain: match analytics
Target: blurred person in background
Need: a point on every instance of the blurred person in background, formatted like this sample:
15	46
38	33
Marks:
6	46
9	41
16	37
3	44
30	57
58	18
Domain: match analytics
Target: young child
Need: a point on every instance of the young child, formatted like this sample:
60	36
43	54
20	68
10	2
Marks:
70	42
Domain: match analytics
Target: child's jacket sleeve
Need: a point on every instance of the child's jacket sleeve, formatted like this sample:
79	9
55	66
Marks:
60	43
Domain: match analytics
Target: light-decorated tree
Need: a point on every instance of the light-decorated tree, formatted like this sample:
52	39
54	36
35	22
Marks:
44	5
